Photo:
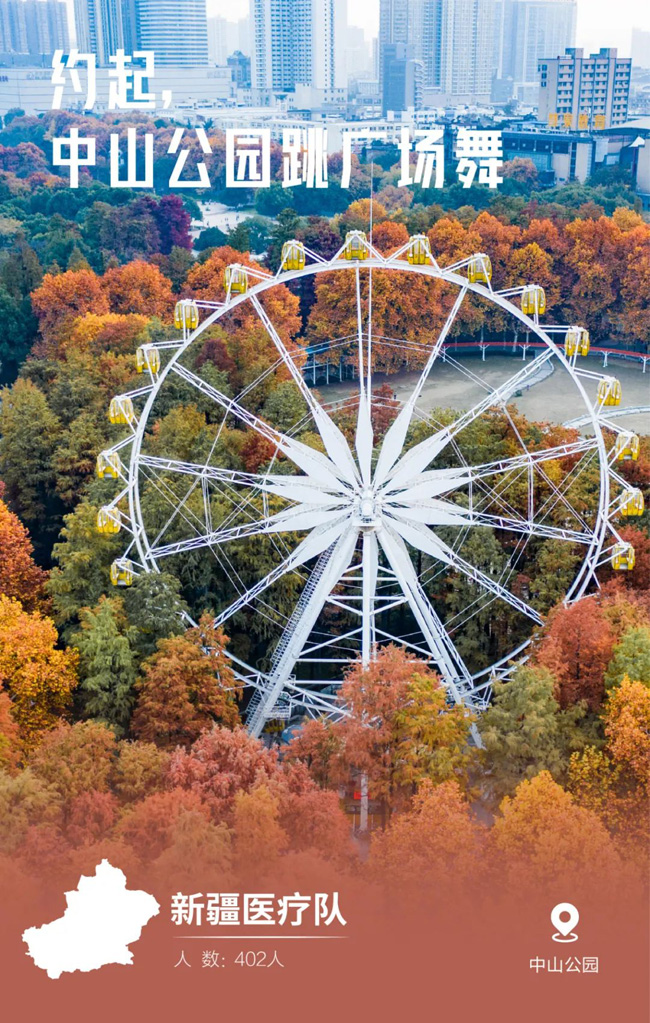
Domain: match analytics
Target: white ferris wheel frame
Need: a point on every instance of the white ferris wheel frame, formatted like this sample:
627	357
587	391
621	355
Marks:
335	549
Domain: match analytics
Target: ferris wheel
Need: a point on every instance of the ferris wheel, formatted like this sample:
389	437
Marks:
346	537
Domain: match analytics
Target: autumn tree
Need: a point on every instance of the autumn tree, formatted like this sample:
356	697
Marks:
39	677
117	332
20	577
147	824
218	765
576	647
627	726
76	758
10	745
187	685
544	841
140	769
259	837
139	287
398	733
61	298
434	848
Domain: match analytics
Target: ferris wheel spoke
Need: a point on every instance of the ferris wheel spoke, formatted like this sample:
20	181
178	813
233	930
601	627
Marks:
200	471
453	670
420	537
293	520
312	600
444	513
554	454
319	540
419	457
397	431
308	459
335	443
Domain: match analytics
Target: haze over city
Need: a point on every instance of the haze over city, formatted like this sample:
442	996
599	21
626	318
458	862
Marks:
596	26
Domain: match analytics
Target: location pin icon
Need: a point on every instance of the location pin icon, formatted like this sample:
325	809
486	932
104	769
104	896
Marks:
564	918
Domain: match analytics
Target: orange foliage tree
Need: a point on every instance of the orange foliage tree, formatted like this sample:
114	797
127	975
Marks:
188	684
38	677
139	288
543	840
627	726
436	846
60	299
20	576
113	332
576	647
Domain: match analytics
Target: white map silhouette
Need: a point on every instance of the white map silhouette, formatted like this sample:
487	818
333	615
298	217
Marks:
101	920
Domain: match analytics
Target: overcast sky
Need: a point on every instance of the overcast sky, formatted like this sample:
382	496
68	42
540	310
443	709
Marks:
600	22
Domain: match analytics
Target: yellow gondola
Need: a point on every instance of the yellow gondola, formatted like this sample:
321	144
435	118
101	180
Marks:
627	447
610	392
235	279
122	573
108	464
356	246
419	250
577	340
108	521
186	315
147	358
632	503
533	300
293	255
120	410
623	557
479	269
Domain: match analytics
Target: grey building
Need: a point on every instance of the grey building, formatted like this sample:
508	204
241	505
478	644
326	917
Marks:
452	39
35	27
176	30
580	92
526	31
402	78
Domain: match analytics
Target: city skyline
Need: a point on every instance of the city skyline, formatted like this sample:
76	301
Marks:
595	27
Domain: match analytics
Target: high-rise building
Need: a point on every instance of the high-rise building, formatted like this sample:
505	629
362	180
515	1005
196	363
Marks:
223	39
37	27
585	92
525	32
177	30
402	78
448	37
299	42
99	28
466	28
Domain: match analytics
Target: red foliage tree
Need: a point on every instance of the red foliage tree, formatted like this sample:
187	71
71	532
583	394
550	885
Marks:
576	647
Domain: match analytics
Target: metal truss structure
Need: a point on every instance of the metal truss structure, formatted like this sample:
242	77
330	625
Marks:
368	529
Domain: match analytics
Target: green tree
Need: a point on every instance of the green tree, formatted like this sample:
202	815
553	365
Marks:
29	433
525	731
81	574
107	663
155	608
631	657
